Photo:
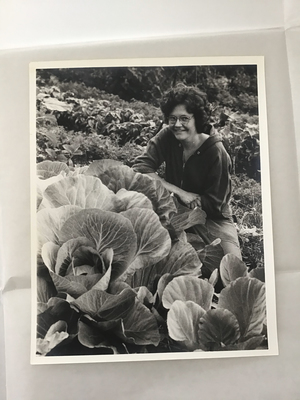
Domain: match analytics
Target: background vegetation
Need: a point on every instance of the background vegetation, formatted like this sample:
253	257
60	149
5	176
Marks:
85	114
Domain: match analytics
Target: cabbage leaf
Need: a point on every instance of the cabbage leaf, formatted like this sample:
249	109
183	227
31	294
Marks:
231	268
153	240
187	218
83	191
245	298
50	222
217	328
183	321
105	230
47	169
116	177
101	305
130	199
188	288
211	256
181	260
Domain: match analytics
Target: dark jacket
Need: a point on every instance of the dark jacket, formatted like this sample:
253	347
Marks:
206	172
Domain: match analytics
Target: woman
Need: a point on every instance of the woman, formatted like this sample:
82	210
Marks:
197	164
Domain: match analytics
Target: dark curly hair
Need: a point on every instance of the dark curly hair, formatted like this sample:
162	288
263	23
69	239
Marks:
193	99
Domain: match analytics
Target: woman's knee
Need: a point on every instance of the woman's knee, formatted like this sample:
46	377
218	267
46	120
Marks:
226	231
231	248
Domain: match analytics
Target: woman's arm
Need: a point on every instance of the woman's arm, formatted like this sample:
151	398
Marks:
191	200
215	199
154	154
149	162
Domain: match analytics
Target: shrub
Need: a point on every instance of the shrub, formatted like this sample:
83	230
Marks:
246	206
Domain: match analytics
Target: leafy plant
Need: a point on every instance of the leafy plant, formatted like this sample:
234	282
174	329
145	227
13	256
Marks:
118	274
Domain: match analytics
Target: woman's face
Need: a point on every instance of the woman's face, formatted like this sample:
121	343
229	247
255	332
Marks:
182	123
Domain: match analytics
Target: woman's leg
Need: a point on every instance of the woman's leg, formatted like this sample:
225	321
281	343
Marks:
226	231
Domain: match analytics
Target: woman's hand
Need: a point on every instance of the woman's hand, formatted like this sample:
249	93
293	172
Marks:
191	200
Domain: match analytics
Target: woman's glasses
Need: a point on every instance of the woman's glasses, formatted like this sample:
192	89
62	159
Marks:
183	119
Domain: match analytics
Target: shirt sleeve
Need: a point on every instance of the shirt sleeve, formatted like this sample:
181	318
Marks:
154	155
216	196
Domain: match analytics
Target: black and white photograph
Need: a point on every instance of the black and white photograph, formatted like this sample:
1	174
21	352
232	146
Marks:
151	210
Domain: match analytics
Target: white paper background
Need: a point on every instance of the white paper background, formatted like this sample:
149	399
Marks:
44	22
32	23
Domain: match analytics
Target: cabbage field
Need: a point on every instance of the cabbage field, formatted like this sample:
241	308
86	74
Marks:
117	270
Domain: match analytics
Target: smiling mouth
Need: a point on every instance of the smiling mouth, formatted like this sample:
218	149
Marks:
179	131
